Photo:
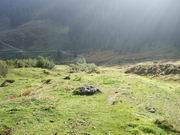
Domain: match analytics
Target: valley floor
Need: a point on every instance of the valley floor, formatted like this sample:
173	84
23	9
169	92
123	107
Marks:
129	105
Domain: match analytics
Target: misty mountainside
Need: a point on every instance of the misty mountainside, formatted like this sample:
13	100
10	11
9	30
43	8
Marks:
78	25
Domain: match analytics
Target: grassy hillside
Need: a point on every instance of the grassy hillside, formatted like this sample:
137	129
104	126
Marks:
31	106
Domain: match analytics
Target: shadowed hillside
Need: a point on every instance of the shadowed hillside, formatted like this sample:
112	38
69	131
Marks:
124	26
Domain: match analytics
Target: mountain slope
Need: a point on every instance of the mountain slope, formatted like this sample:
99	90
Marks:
124	26
37	35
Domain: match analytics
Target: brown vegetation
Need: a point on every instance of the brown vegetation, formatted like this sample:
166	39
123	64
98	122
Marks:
155	69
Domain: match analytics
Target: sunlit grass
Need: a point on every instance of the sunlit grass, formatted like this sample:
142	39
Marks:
52	109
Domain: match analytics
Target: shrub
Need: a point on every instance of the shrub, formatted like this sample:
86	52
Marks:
3	68
20	63
82	66
30	62
44	63
40	62
88	68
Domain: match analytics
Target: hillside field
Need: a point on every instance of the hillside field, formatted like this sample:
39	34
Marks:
41	102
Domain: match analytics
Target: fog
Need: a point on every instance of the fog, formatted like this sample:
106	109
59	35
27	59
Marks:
118	22
111	24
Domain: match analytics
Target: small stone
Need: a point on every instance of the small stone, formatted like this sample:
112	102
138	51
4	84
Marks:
115	102
151	109
46	72
94	127
87	134
67	78
51	121
48	81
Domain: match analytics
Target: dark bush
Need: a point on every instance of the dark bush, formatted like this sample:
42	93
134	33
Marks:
40	62
3	68
45	63
21	63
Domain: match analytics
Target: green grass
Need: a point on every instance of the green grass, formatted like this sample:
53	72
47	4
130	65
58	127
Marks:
52	109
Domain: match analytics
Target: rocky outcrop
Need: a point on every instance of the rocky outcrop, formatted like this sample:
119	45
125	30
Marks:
155	69
7	83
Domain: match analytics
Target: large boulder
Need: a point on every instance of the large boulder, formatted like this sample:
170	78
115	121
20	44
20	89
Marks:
87	90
